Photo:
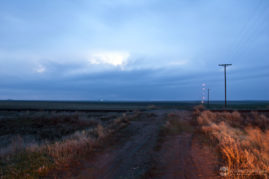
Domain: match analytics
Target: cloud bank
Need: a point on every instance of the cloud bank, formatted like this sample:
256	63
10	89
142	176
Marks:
133	50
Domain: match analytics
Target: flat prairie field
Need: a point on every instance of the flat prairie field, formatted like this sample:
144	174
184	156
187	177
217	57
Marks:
54	139
127	105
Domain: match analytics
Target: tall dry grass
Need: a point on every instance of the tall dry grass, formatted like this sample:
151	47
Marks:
24	160
243	144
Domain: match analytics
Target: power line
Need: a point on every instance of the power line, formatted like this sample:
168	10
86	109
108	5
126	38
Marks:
246	32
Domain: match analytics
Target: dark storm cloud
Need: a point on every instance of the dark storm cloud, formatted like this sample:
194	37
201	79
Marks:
133	50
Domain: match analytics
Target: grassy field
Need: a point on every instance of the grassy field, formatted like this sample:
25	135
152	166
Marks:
55	135
77	105
114	105
33	143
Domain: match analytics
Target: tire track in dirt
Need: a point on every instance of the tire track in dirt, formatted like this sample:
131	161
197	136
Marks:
184	156
132	154
128	159
174	156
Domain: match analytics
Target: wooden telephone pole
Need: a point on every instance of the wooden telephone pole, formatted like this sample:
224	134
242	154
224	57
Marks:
208	90
225	83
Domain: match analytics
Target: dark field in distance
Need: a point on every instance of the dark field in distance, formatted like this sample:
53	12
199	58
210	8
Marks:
125	105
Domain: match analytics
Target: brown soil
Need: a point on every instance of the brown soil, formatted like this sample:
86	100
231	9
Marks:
128	154
131	155
184	156
205	158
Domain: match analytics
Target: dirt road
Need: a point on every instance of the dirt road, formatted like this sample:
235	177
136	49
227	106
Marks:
132	155
129	156
183	155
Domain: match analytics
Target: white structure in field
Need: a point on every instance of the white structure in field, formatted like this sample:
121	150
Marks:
203	93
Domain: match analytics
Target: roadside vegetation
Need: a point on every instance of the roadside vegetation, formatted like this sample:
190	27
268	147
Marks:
242	140
33	144
176	123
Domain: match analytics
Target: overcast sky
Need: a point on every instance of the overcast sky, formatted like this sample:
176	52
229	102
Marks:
133	49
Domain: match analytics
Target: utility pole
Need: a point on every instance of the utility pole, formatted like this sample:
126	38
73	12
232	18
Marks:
208	97
225	65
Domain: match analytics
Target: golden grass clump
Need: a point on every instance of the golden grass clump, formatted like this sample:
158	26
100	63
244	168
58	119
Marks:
244	148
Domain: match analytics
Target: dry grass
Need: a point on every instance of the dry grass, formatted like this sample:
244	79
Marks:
243	140
176	123
32	160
